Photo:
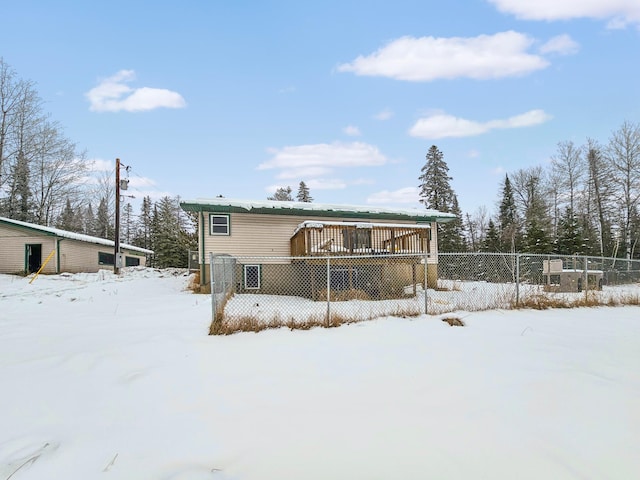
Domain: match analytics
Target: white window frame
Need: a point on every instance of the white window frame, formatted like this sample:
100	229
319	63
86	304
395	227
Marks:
228	224
244	277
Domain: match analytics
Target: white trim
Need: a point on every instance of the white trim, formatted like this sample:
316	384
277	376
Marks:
225	215
244	279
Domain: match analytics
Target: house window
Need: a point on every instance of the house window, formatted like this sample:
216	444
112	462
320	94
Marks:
131	261
106	258
252	277
218	224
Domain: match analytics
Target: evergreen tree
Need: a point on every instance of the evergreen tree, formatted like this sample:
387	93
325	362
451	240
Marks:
492	242
20	194
143	229
510	235
436	193
89	221
303	193
570	239
70	220
282	195
536	237
435	190
171	239
103	227
452	237
127	228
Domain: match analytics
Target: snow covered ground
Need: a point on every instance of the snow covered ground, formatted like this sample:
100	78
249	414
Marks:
116	378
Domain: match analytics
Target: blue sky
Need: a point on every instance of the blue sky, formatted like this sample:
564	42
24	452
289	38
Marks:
239	97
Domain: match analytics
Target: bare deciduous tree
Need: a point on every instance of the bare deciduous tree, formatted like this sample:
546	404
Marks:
623	154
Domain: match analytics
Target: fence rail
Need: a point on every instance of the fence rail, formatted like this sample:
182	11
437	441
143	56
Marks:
337	289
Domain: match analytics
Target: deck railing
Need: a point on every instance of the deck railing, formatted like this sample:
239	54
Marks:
322	239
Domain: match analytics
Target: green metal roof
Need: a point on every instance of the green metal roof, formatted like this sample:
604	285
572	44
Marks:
270	207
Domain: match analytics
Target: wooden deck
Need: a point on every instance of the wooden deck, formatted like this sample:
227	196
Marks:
321	239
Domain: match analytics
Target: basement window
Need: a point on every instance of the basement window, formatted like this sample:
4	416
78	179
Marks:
252	277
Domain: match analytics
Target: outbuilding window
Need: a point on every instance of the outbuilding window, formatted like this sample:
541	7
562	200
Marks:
106	258
131	261
218	224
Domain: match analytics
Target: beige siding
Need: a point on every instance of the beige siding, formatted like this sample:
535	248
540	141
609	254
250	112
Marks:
260	235
74	255
12	249
77	256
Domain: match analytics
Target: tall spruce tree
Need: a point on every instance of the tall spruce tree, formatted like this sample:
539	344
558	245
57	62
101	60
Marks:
435	189
103	228
89	221
570	239
436	193
452	238
69	219
492	242
128	224
303	193
143	228
509	225
171	238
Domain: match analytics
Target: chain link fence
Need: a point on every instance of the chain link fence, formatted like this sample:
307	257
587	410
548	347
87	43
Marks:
252	293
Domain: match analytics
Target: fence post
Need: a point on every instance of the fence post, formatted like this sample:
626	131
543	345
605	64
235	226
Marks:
426	303
586	278
517	279
211	284
328	291
224	277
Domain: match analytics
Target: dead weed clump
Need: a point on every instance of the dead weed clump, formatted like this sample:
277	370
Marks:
195	287
453	321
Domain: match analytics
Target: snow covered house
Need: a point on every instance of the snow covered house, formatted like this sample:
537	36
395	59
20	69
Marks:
309	232
25	246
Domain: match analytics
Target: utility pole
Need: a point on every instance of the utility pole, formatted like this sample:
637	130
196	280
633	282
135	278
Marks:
116	256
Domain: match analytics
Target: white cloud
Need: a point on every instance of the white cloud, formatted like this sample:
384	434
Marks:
385	114
403	195
442	125
352	131
328	155
503	54
619	13
316	164
113	95
562	45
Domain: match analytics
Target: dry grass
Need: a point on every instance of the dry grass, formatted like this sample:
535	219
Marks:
195	287
590	299
453	321
253	323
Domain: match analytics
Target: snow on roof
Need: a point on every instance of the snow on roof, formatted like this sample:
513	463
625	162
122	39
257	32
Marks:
322	224
73	236
250	205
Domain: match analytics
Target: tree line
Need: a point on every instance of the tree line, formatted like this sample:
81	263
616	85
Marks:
46	179
585	202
